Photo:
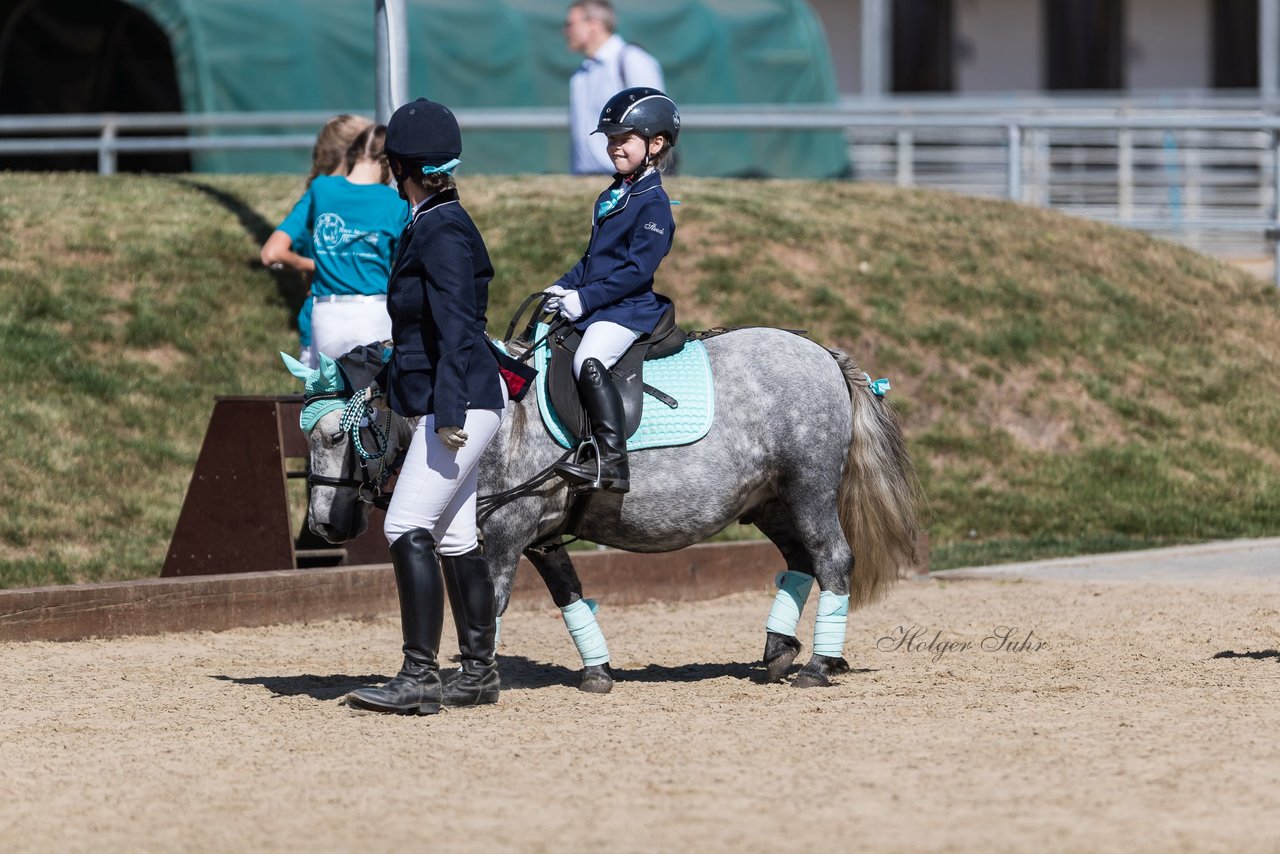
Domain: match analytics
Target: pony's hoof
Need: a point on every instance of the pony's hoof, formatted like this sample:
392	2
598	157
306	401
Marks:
780	652
596	679
778	667
838	666
810	679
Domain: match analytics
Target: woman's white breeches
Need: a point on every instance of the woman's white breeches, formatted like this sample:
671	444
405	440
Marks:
436	489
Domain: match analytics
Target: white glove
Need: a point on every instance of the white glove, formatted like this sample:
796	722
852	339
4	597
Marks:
374	397
452	438
557	293
571	306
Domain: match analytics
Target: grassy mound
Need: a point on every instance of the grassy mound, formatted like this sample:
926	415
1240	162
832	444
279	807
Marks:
1065	386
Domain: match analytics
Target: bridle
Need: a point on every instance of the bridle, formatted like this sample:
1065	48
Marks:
359	414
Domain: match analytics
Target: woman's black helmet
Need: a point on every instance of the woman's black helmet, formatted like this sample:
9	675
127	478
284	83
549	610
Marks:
645	111
423	132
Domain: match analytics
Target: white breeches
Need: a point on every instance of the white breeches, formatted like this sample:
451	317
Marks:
337	328
603	340
436	489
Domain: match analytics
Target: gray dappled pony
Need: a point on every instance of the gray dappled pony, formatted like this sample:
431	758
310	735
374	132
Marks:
800	446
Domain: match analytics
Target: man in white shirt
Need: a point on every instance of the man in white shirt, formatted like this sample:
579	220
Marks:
611	65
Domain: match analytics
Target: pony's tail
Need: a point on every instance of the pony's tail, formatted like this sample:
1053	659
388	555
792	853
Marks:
878	492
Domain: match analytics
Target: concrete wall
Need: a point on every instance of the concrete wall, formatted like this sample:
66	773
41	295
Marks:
1168	44
999	44
842	21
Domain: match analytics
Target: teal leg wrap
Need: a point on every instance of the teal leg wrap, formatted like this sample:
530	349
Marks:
580	620
793	592
829	627
497	632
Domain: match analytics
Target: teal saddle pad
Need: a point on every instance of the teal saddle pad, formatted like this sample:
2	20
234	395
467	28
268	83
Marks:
686	377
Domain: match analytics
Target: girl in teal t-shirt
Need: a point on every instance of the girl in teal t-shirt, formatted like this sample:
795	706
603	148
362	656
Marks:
328	157
354	225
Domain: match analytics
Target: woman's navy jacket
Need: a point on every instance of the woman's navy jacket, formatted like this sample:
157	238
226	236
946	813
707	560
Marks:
615	276
442	362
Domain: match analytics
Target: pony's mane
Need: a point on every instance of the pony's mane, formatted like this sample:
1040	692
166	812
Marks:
519	423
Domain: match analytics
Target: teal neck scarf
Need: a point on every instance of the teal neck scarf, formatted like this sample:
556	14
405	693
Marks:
615	195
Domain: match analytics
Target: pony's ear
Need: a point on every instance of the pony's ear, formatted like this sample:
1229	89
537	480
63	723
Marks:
296	368
331	372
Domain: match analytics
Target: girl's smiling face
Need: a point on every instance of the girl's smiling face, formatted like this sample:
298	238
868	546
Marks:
627	150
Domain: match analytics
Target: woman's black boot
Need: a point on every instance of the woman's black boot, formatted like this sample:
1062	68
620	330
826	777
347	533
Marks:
603	403
416	688
475	614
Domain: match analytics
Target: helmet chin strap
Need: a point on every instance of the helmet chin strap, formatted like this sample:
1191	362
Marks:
644	164
400	177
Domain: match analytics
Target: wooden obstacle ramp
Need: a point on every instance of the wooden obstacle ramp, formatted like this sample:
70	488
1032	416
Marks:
235	515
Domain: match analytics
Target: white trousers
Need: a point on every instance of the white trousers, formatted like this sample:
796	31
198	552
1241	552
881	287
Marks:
337	328
436	489
603	340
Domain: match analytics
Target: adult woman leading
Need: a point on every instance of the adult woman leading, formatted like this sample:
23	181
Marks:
443	368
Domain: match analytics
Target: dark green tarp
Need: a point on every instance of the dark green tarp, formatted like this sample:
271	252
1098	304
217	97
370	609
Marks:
286	55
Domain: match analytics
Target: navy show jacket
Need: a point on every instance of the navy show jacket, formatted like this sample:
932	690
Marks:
614	278
442	363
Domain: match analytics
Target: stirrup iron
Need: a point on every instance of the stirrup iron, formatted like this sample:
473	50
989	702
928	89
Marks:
587	485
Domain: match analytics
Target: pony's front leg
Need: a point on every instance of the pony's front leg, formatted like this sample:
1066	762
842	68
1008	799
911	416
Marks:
579	617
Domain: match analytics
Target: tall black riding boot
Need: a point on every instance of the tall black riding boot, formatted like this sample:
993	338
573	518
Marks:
475	613
603	403
416	688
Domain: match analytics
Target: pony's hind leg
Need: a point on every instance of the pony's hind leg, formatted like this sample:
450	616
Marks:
815	528
566	591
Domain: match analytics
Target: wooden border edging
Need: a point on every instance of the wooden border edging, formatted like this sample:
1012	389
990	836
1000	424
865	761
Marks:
219	602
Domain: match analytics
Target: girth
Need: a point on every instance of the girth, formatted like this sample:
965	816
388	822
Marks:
667	339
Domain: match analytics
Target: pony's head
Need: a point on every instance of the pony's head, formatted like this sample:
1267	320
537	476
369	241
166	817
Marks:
351	453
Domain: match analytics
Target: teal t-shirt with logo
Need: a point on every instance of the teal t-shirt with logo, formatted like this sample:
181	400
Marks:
354	231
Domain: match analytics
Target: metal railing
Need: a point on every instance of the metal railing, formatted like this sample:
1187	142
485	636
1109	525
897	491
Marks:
1201	169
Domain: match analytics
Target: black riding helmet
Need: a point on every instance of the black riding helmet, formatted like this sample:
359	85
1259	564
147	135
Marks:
423	132
645	111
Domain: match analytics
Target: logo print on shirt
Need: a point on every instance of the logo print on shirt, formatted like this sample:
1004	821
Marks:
329	229
331	233
653	226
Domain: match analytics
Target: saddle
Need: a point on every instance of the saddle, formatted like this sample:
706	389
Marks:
666	339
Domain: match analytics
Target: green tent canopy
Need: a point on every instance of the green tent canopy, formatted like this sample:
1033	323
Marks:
288	55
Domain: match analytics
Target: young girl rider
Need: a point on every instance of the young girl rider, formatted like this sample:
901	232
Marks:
442	368
608	295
